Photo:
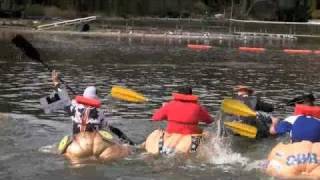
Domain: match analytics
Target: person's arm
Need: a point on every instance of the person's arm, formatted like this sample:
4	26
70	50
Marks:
70	109
263	106
57	85
205	116
161	113
103	119
282	127
55	79
273	125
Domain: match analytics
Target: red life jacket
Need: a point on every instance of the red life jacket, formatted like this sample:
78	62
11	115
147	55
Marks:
88	101
183	97
183	114
301	109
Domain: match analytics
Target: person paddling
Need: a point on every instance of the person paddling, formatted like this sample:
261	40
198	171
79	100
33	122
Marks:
183	113
304	124
182	134
85	112
300	158
246	95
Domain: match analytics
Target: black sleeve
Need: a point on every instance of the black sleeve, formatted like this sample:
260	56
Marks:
263	106
121	135
70	110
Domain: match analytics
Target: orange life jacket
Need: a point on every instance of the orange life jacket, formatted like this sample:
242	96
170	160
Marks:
301	109
88	101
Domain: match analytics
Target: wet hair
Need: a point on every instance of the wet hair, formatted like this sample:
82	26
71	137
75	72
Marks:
303	99
185	90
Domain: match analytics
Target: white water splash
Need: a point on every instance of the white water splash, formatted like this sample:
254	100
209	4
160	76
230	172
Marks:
50	149
258	164
219	152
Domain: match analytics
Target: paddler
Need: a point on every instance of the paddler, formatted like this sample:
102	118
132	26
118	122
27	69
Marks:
183	113
182	134
262	121
304	124
300	158
85	113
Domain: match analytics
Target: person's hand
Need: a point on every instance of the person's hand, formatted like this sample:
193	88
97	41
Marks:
275	120
55	78
274	123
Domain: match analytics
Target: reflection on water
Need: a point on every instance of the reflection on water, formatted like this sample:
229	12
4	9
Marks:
155	68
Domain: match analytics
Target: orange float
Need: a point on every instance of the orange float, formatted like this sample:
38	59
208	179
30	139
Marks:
297	160
252	49
99	145
297	51
161	142
199	46
317	52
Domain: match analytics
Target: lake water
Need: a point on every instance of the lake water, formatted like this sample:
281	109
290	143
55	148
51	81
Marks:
154	67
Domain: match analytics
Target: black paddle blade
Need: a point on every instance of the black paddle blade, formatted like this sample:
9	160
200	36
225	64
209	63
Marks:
26	47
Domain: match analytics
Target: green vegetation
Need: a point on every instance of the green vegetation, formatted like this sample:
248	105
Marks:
124	8
34	10
285	10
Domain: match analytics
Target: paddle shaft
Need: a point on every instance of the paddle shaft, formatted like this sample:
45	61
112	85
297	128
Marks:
60	79
33	53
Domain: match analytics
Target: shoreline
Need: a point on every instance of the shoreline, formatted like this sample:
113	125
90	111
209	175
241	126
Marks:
185	35
170	28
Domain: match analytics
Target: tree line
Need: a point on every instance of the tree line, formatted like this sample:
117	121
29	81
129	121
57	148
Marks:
288	10
127	7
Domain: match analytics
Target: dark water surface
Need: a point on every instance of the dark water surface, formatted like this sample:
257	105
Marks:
155	68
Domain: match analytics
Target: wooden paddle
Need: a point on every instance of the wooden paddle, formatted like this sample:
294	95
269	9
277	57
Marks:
236	107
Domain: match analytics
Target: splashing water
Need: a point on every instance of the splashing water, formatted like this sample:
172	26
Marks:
218	152
258	164
50	149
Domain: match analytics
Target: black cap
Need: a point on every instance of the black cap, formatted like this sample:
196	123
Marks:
301	99
185	90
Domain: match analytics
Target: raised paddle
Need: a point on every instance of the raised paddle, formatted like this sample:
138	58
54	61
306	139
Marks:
33	53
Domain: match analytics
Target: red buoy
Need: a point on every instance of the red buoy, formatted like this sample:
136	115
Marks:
252	49
297	51
199	46
317	52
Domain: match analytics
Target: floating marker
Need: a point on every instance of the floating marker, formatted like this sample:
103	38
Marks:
297	51
199	46
252	49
